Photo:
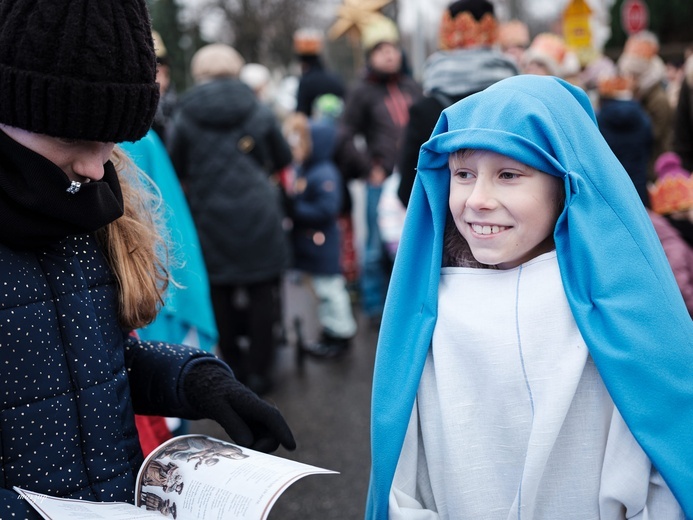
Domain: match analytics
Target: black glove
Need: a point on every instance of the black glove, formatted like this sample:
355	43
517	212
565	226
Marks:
251	422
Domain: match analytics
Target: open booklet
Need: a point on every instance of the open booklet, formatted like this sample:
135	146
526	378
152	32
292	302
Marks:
191	477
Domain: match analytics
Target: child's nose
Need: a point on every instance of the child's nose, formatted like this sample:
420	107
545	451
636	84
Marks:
481	196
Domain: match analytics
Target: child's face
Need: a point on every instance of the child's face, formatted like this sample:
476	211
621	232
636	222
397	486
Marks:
81	161
504	209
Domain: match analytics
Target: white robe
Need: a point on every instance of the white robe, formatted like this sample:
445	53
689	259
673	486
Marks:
512	420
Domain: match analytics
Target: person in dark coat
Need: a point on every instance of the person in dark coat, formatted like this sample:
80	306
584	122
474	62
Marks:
625	125
683	116
465	63
82	264
225	146
640	61
376	110
316	80
315	206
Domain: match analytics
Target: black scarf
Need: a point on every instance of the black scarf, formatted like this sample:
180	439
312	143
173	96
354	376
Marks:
35	207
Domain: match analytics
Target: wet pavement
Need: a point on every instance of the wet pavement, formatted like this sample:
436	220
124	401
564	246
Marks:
327	405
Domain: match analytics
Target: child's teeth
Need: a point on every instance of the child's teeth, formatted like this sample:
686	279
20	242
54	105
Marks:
486	230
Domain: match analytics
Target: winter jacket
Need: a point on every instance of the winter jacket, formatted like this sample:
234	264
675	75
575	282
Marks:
316	206
683	118
72	377
314	82
626	127
377	108
224	145
448	77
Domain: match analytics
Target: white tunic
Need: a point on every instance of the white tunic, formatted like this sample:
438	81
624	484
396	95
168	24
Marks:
512	420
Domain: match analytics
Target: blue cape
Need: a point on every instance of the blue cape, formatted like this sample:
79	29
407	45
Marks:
188	305
616	276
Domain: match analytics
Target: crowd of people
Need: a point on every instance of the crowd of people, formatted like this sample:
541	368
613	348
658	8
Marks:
533	293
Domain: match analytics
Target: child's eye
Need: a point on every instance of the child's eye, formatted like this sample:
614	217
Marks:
509	175
461	174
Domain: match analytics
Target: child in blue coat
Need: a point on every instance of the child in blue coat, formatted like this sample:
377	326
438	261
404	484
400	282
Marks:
314	206
535	354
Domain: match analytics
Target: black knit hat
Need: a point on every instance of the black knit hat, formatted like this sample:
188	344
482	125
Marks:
78	69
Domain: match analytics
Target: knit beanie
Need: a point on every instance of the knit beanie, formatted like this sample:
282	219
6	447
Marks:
78	69
468	23
377	30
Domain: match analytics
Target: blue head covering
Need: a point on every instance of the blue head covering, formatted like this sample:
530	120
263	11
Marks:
188	305
617	279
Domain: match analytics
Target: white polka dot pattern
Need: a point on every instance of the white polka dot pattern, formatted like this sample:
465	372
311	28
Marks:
67	370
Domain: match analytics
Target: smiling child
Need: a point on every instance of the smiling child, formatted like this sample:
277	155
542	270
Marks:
534	333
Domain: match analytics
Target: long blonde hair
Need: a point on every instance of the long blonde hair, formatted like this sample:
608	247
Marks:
136	248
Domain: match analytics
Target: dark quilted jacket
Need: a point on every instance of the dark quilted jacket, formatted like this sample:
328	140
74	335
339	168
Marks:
68	372
236	208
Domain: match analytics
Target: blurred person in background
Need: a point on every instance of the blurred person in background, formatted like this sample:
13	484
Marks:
672	215
513	39
377	111
640	62
226	146
627	129
315	203
683	115
548	55
315	79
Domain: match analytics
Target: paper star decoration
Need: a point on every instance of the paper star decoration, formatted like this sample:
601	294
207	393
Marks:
356	15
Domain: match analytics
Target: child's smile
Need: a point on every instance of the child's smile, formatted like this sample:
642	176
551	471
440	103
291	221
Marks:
504	209
481	229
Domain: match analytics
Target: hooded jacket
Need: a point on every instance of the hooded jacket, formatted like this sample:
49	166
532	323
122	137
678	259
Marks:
316	208
616	277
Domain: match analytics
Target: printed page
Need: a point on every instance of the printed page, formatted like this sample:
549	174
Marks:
52	508
196	477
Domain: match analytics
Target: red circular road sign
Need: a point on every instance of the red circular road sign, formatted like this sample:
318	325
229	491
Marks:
634	16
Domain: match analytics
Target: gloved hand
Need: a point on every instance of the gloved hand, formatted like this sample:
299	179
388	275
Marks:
251	422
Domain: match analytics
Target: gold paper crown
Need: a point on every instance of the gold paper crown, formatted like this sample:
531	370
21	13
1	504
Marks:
672	193
464	31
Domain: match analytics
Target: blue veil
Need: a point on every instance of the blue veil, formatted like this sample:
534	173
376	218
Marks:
616	276
189	304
